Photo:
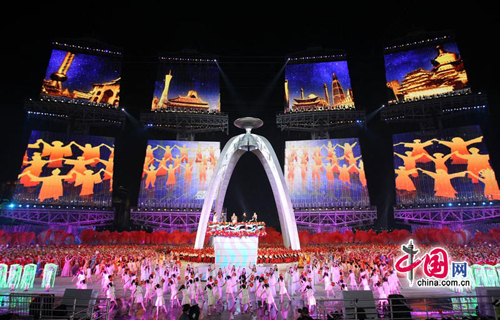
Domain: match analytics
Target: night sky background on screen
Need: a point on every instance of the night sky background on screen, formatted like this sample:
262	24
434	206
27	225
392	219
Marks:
251	45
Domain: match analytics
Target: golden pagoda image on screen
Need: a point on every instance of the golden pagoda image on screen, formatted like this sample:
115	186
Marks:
189	101
106	93
341	99
447	75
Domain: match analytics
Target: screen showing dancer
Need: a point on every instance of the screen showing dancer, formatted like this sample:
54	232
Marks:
83	77
182	86
325	173
424	72
318	86
176	174
66	169
451	165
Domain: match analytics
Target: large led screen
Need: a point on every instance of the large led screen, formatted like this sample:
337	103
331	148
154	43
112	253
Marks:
187	86
325	173
176	174
444	166
83	77
66	169
318	86
424	72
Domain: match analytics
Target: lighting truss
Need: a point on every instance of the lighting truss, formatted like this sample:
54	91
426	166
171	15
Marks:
179	122
81	116
333	220
426	111
60	217
166	220
320	121
447	216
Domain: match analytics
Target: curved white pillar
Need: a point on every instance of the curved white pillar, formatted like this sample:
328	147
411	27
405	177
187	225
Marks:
216	192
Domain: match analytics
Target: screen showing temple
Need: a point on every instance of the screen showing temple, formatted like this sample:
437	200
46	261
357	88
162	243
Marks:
83	77
193	87
176	174
318	86
446	166
325	173
66	169
424	72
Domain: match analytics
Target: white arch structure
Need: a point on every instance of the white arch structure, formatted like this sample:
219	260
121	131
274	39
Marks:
214	198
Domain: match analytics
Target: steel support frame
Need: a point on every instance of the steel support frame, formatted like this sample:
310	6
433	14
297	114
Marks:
329	220
426	111
79	115
188	123
166	220
60	217
447	216
320	121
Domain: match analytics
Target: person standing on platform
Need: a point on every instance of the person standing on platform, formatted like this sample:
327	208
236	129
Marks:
244	217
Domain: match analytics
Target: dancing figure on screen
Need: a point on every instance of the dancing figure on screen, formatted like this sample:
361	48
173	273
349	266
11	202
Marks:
475	162
459	146
410	161
487	176
442	182
52	186
56	152
417	147
89	152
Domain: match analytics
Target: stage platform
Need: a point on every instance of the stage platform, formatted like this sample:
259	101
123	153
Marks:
437	298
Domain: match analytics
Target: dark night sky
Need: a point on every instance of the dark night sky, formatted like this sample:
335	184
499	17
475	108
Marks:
251	43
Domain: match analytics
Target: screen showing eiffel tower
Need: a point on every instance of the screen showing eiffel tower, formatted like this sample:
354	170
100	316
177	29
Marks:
185	86
318	86
81	77
424	72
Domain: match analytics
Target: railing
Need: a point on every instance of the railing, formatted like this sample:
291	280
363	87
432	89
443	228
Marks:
446	307
47	306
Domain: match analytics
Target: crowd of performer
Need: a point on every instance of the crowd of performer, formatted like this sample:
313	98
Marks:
165	277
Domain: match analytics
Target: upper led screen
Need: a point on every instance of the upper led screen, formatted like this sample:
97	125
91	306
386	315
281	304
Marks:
182	87
325	173
176	174
66	169
424	72
446	166
318	86
82	77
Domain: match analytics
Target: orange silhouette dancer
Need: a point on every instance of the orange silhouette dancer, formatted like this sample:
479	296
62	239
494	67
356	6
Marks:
171	170
35	168
317	150
293	153
460	146
318	161
329	169
90	152
202	174
487	176
108	167
184	152
177	162
151	174
147	163
199	154
344	175
330	149
417	147
56	152
410	161
88	180
291	173
211	154
188	172
348	152
52	186
334	160
442	182
162	167
150	153
79	165
475	162
439	160
353	163
315	174
361	171
403	180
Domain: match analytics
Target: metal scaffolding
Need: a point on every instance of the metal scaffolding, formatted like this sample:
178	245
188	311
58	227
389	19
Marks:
450	216
61	217
77	116
430	112
334	220
166	220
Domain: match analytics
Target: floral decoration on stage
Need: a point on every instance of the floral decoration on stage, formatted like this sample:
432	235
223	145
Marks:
237	229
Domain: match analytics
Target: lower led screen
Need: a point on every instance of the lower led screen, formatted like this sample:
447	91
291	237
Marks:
325	173
66	169
446	166
176	174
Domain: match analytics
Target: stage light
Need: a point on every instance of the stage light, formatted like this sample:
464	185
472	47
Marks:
450	204
11	205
